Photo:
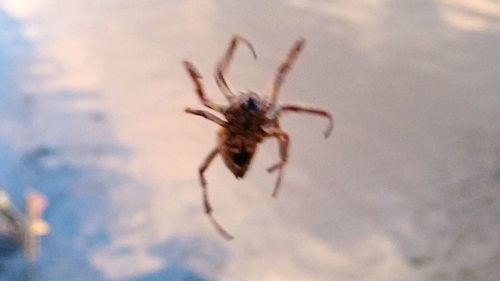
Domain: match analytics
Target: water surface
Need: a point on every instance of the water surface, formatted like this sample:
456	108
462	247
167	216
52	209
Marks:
405	189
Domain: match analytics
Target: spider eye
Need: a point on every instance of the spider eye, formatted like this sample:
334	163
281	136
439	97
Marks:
250	104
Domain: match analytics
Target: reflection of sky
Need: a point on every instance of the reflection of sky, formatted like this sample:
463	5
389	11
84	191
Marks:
413	86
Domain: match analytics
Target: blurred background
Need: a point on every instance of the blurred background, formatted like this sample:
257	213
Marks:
407	188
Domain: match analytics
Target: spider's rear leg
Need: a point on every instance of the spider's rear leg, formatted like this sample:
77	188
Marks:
198	87
283	141
223	65
311	110
284	68
206	203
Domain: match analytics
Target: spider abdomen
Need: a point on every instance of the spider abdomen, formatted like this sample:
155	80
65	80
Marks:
237	151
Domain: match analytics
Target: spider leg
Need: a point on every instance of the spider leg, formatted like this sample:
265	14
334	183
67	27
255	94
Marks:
198	87
206	203
284	68
207	115
223	65
311	110
283	141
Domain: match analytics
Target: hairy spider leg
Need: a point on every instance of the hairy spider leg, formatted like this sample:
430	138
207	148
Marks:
208	116
311	110
284	68
198	87
206	203
283	141
223	65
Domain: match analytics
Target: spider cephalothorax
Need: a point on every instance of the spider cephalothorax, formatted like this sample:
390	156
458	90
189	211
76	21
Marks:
249	118
246	113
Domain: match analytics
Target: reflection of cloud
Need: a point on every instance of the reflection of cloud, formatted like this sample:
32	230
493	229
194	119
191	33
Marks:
464	21
363	12
298	256
74	70
114	264
362	17
477	15
464	15
21	8
486	7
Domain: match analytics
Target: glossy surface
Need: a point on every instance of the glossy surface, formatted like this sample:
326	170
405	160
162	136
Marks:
406	188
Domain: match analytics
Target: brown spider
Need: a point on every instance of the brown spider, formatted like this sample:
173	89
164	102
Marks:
249	119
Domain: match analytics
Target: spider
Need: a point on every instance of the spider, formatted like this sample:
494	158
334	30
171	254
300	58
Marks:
249	118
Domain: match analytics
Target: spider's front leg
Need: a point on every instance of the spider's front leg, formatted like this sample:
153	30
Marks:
310	110
283	141
198	87
223	65
284	68
206	203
